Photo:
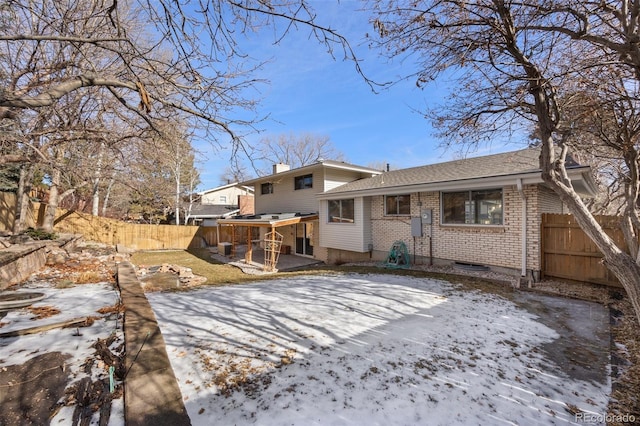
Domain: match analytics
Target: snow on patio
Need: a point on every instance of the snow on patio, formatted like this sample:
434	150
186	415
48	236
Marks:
366	349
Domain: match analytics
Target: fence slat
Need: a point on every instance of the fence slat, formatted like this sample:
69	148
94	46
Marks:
568	253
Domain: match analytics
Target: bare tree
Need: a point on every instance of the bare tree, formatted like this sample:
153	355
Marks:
175	56
236	173
518	63
172	151
149	60
294	150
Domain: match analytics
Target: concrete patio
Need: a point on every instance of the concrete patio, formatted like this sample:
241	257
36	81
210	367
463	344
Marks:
286	262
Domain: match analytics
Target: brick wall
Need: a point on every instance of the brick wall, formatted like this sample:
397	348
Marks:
499	246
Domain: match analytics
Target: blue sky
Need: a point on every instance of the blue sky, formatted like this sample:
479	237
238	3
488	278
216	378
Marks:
311	92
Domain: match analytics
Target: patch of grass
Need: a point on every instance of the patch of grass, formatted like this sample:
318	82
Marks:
64	284
201	263
88	277
39	234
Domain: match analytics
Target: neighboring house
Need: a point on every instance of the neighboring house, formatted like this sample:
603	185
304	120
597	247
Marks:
477	211
285	201
223	201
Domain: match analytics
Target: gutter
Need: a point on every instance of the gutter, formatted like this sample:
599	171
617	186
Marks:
520	188
528	178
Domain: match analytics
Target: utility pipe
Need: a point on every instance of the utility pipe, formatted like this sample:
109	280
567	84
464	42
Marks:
520	188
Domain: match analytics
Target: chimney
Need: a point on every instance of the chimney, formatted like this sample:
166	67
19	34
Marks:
279	168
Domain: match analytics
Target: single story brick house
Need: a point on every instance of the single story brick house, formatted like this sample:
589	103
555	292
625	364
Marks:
476	211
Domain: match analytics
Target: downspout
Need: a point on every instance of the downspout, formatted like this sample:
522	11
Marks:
524	227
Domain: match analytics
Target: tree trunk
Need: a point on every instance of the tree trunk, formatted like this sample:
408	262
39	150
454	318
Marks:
54	195
178	197
623	265
52	206
23	201
105	202
95	206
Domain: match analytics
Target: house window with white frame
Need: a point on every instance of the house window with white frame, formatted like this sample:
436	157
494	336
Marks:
397	205
303	182
266	188
482	207
223	198
341	211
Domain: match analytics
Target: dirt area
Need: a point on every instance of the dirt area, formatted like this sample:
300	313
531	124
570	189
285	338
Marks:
29	393
33	392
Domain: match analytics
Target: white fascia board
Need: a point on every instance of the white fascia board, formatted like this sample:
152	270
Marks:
456	185
229	185
310	169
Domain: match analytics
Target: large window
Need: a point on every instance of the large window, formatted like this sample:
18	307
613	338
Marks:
472	207
341	211
303	182
266	188
397	205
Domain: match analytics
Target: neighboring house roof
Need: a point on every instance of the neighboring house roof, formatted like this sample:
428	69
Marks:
492	170
231	185
211	211
329	164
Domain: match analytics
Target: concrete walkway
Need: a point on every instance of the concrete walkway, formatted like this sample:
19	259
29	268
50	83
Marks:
151	392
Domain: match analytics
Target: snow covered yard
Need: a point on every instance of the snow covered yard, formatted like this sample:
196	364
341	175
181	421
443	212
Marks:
369	349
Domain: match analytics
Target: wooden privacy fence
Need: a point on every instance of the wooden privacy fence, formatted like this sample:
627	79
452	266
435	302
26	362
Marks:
567	252
113	232
131	235
138	236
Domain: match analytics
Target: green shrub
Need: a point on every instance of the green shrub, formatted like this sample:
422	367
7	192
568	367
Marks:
39	234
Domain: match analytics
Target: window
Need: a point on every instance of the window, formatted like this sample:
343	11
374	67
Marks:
397	205
472	207
303	182
223	198
341	211
266	188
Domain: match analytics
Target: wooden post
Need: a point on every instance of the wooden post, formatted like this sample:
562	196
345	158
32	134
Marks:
248	257
273	252
233	241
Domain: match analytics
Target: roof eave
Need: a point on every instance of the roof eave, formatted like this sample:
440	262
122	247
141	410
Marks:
230	185
274	223
308	168
528	178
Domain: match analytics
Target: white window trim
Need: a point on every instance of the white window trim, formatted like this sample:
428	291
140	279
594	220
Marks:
329	222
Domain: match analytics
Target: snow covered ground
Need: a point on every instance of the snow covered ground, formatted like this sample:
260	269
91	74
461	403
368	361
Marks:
367	350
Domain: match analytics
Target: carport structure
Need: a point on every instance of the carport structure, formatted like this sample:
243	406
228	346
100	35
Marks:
267	225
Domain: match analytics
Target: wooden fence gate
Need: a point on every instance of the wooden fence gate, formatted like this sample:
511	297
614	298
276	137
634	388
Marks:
568	253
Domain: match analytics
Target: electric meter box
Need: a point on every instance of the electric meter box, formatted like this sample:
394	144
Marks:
416	227
426	216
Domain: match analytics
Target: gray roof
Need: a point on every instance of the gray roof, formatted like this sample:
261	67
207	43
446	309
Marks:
211	210
513	163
